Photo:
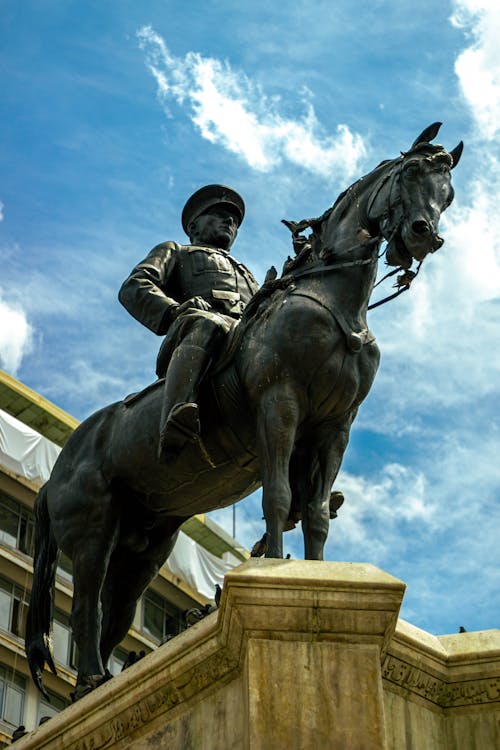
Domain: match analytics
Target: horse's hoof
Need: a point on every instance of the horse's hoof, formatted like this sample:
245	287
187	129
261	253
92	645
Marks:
336	500
88	683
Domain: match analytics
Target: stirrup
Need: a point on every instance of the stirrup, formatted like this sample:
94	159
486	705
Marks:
183	426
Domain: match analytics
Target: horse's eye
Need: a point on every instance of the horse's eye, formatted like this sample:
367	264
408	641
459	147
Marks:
412	170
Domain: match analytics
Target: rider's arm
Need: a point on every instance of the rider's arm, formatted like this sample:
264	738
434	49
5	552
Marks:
144	292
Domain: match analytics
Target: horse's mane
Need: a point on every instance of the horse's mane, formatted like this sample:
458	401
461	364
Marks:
306	247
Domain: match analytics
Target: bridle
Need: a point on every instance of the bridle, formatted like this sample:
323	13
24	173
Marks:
390	224
392	217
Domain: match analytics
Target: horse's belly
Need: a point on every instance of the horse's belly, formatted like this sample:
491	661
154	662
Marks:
206	475
195	482
209	489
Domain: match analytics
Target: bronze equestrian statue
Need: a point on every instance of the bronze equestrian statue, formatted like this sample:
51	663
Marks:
274	410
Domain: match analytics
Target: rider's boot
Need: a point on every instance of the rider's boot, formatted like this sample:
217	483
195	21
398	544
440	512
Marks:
180	420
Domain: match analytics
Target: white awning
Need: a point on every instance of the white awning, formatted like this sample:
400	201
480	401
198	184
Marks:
24	451
197	566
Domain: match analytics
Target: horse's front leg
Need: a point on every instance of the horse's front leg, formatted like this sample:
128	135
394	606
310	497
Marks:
327	448
276	430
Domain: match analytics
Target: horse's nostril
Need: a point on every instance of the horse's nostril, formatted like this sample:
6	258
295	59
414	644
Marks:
420	227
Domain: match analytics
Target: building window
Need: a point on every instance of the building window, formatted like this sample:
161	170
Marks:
160	618
12	690
65	567
48	710
62	640
16	525
117	660
13	608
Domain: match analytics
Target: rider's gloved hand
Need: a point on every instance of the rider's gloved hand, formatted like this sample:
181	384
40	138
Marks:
194	303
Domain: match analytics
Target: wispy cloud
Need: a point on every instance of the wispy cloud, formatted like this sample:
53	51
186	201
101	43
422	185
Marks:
86	376
440	347
438	529
15	336
230	110
439	343
1	211
478	66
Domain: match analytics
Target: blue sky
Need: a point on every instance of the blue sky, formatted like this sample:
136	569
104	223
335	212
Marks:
112	113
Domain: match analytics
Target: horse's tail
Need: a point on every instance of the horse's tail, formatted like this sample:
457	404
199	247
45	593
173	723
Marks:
38	624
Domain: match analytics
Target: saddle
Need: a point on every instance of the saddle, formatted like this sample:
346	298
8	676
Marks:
223	360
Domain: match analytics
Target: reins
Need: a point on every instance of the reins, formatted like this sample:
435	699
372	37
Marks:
403	283
392	218
321	267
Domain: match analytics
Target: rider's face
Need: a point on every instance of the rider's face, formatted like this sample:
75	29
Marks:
217	227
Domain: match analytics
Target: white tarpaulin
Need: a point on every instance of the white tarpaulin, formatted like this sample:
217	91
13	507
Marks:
28	454
197	566
24	451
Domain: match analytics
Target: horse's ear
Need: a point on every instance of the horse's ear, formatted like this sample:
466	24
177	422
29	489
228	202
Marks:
427	135
456	154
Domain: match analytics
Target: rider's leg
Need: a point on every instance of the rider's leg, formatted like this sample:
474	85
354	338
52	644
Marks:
179	418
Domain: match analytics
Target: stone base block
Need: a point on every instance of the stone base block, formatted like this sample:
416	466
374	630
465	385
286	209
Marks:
300	655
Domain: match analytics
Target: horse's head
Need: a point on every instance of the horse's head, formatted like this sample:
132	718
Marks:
410	196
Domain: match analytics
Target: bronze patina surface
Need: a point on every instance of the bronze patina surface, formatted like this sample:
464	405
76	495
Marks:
277	412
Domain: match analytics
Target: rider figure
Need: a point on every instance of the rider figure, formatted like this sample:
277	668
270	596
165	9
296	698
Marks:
192	294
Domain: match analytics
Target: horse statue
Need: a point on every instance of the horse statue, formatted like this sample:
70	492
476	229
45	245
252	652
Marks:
276	412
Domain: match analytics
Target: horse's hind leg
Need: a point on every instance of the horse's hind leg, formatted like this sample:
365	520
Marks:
325	457
276	429
129	573
89	541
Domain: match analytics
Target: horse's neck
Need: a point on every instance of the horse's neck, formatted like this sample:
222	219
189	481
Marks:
346	239
348	226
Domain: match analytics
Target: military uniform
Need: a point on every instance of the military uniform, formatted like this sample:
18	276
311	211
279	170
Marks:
171	275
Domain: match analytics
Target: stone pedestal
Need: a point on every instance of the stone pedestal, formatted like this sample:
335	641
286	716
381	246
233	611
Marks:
300	655
315	634
291	660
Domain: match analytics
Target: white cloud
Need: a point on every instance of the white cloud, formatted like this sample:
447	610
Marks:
376	507
85	376
232	111
478	66
369	521
1	211
439	342
15	336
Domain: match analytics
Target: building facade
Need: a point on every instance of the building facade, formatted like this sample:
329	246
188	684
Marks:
32	431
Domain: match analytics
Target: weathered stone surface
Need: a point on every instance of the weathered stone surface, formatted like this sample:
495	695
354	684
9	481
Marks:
300	655
442	692
323	695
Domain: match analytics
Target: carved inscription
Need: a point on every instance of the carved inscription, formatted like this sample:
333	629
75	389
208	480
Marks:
180	690
441	693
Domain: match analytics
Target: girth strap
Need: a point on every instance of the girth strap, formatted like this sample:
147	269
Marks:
355	340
